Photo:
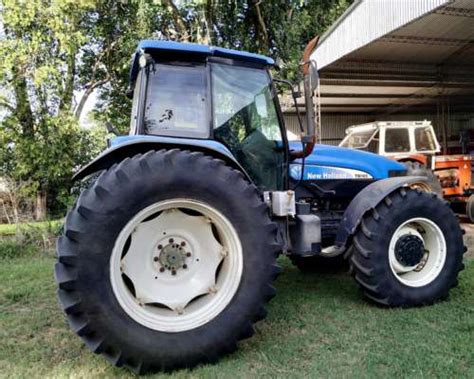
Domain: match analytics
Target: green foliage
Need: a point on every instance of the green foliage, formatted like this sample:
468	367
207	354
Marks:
280	29
40	140
48	156
51	50
52	227
29	239
14	249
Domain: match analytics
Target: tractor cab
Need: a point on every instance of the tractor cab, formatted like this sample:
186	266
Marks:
205	93
398	140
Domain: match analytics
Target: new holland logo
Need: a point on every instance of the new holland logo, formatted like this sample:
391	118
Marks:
327	173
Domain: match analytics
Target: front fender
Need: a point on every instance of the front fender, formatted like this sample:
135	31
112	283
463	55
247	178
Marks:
368	199
128	146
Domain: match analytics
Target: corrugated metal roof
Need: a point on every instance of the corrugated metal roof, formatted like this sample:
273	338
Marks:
366	21
399	60
386	56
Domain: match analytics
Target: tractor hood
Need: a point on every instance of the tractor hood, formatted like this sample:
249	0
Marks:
333	162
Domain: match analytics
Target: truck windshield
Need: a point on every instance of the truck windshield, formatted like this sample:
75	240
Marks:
245	120
358	139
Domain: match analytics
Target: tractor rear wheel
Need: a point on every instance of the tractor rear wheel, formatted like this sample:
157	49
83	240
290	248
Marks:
417	169
408	251
166	261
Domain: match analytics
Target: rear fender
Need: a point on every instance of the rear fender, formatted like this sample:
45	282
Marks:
126	147
368	199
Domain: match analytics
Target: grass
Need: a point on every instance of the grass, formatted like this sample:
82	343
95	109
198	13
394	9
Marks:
317	326
12	229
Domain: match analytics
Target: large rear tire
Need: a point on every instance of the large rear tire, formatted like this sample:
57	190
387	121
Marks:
166	261
408	251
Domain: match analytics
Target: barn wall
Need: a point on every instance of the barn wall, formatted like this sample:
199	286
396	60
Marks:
335	124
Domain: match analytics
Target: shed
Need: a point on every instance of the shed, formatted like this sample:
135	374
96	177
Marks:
389	60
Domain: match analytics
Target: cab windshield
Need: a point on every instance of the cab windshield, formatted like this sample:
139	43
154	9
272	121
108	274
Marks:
358	139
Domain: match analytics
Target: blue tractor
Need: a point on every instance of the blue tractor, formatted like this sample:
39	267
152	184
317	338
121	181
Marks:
168	258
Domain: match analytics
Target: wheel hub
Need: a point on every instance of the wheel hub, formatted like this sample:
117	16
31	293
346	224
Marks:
409	250
172	256
176	265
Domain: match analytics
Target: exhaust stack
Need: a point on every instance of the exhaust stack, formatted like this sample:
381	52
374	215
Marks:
309	140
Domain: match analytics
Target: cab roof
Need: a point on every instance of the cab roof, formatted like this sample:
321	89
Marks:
193	49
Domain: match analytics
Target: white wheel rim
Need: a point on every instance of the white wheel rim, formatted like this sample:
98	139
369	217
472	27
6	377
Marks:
430	266
207	256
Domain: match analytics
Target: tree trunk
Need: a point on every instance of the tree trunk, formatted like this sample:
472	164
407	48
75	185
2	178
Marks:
261	28
23	108
85	96
68	91
178	20
40	210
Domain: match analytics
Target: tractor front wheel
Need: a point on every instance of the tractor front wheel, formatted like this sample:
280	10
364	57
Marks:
470	208
408	250
417	169
166	261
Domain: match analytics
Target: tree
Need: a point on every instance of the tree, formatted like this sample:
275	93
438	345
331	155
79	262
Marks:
52	49
39	52
280	29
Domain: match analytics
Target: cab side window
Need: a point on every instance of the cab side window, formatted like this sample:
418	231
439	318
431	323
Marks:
397	140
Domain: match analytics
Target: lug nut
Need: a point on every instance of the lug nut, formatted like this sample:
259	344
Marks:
185	266
160	247
183	243
188	254
155	259
173	272
171	240
162	269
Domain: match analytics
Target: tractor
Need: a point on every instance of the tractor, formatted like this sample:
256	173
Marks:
415	144
167	258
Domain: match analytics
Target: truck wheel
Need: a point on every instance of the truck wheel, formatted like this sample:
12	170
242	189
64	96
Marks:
318	263
417	169
408	250
470	208
166	261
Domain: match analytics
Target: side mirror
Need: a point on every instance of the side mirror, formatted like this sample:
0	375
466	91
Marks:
111	128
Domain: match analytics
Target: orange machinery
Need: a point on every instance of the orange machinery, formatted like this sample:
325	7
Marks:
457	180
